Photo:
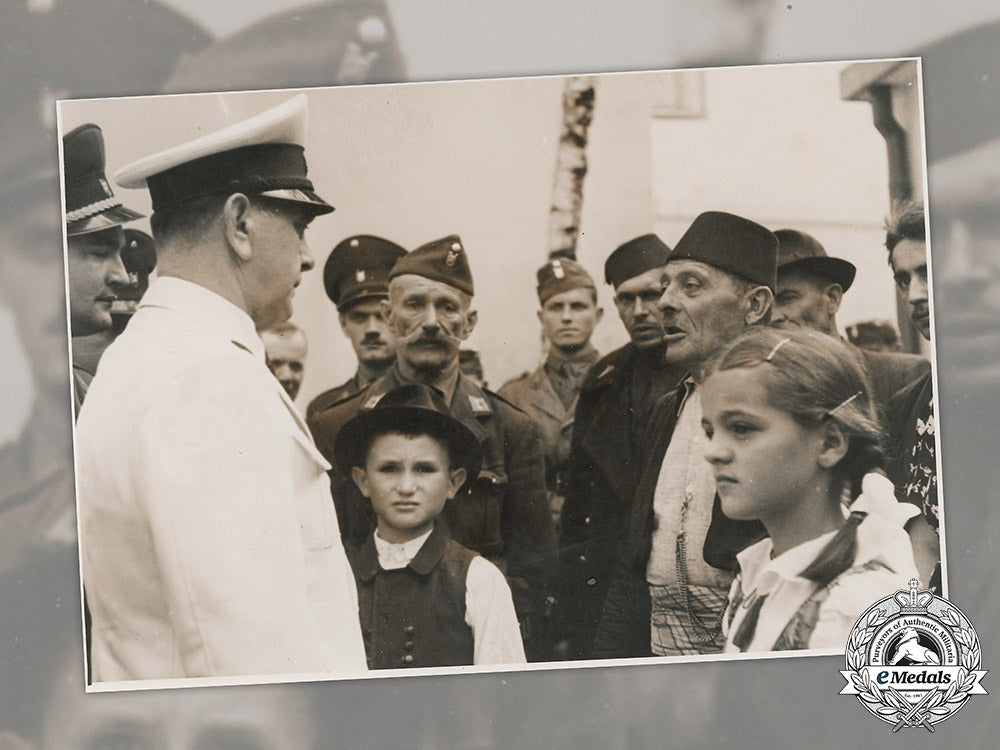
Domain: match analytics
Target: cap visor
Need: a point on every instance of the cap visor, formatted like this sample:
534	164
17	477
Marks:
307	197
112	217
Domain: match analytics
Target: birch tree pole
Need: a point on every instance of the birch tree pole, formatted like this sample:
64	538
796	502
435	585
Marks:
571	167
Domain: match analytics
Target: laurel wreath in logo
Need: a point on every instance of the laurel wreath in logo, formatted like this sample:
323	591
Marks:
889	703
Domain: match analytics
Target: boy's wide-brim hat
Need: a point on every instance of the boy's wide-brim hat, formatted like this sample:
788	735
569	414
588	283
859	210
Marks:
800	251
733	244
411	409
263	155
91	206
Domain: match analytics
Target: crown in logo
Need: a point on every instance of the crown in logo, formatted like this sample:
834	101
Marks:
914	601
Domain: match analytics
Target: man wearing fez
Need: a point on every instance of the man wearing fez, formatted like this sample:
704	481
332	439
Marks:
94	241
673	577
503	512
209	546
356	277
811	285
568	314
614	404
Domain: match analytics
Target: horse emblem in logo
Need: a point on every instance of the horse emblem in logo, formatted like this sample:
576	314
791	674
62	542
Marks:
913	659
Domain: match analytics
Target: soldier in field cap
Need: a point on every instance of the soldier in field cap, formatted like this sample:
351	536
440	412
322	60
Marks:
615	399
569	313
502	513
671	584
209	546
356	277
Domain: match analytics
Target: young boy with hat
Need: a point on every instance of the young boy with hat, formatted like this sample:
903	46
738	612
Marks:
424	600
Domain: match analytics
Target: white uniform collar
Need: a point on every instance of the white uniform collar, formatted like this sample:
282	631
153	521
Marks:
208	310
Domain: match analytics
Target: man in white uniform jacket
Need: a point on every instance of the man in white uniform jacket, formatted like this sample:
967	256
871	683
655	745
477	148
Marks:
209	544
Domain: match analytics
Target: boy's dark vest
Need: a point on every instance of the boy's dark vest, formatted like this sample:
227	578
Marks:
415	616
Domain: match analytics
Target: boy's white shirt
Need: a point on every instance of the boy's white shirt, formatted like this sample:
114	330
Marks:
489	608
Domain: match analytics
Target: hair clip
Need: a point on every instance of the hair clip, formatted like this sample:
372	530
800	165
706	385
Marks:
775	349
844	403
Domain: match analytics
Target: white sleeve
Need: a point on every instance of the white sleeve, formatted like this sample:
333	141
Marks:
489	611
219	495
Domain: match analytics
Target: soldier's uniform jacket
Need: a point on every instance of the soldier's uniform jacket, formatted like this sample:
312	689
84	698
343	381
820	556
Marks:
604	469
328	398
533	393
502	514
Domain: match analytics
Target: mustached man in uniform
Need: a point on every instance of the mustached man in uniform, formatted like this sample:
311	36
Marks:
502	513
209	545
356	277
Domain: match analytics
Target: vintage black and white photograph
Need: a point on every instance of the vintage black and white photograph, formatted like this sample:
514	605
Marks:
498	375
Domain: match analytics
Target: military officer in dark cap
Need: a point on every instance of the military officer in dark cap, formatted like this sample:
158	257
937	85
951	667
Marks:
811	285
356	277
209	546
94	241
568	314
503	512
615	399
672	579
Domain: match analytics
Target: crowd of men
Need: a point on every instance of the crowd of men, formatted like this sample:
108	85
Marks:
210	507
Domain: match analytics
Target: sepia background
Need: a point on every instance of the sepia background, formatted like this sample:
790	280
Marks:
54	49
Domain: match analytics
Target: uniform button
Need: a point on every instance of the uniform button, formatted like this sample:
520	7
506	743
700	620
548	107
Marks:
587	520
408	645
408	659
408	630
583	558
591	581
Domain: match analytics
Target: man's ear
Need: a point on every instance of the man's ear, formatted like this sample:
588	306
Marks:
834	295
360	477
471	318
386	309
239	225
835	444
760	301
539	314
457	480
600	314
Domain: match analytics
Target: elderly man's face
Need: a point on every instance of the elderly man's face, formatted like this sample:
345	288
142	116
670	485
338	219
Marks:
803	300
96	272
286	358
636	300
703	310
430	319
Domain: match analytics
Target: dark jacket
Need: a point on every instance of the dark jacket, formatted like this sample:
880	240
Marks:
604	469
890	373
624	629
502	514
328	398
415	616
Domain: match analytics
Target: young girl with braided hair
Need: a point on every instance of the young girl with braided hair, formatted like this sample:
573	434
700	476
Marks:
793	440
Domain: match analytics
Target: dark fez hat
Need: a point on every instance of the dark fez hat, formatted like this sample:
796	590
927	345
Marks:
358	268
441	260
635	257
263	155
731	243
410	409
90	204
560	275
139	259
802	252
